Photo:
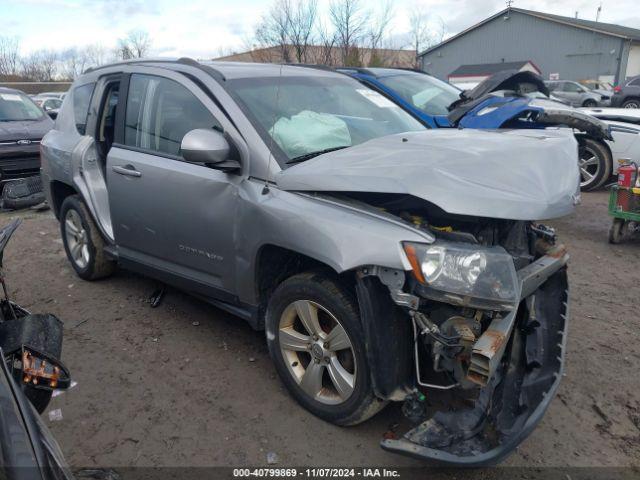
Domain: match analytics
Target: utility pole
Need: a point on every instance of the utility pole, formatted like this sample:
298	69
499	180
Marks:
598	12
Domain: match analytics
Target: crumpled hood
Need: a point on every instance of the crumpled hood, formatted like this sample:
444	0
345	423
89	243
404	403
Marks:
510	174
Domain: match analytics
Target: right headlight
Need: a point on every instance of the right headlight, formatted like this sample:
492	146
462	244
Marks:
465	274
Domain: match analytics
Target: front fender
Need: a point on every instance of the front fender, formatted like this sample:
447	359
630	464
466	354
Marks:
336	234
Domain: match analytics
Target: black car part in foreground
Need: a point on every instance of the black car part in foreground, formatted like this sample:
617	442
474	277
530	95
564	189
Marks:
30	347
32	343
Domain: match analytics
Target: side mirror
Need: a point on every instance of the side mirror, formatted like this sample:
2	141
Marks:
53	114
208	146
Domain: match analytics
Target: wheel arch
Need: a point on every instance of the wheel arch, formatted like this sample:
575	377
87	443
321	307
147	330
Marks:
274	264
59	192
386	327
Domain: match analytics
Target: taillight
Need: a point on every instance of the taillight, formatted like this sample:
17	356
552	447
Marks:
617	89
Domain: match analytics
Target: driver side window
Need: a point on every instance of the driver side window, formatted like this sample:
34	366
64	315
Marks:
160	112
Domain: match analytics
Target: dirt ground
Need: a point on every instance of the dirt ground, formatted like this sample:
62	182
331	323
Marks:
186	384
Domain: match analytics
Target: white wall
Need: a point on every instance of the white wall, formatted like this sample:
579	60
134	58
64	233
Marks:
633	64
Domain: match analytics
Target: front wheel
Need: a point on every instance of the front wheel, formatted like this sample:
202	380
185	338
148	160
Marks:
595	164
590	103
82	241
317	344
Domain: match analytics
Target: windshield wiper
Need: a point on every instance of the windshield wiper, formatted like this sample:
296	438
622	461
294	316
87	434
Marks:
308	156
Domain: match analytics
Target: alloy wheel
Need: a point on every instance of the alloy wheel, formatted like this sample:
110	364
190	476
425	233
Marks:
589	164
317	351
77	239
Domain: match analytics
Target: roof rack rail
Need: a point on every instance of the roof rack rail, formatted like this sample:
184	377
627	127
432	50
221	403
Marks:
363	70
135	61
317	66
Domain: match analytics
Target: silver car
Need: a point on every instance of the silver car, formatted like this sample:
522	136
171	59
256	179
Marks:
576	94
385	262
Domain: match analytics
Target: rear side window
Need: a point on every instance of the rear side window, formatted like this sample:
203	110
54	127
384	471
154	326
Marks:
160	112
635	82
81	100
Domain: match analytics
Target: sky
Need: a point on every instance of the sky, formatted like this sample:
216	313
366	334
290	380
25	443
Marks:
205	28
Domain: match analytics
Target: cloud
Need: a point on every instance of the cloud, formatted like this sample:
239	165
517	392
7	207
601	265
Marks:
200	28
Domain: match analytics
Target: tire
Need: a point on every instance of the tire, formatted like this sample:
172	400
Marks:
595	164
617	232
590	103
91	262
334	308
631	103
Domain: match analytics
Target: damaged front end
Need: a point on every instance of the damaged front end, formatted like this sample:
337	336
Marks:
485	308
513	99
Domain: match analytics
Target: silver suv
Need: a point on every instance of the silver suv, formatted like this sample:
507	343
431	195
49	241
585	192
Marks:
576	94
385	262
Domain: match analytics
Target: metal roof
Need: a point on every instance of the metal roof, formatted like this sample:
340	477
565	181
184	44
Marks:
599	27
481	69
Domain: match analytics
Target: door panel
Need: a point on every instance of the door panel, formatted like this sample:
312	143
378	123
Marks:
168	214
174	215
90	158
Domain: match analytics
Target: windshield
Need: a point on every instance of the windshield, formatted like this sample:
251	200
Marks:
18	107
307	115
426	93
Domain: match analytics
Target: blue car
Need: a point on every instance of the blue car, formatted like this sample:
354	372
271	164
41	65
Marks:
508	99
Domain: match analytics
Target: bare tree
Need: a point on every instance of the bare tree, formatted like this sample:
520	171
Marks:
424	31
302	16
376	34
136	44
350	20
140	43
40	66
9	55
96	55
73	61
326	46
273	29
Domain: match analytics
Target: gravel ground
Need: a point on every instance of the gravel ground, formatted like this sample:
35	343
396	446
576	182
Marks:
186	384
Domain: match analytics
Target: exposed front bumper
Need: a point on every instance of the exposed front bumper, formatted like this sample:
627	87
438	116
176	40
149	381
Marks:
516	397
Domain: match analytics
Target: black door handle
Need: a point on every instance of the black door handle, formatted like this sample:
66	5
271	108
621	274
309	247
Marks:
128	170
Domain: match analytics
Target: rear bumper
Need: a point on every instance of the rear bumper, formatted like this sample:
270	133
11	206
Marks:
517	396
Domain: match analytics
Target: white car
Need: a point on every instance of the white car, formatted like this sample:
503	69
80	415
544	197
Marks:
625	129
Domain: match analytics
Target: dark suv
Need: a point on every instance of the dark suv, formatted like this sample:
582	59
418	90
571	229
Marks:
22	126
627	95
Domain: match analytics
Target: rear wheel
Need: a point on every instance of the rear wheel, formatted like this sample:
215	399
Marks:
317	345
595	164
631	103
82	241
